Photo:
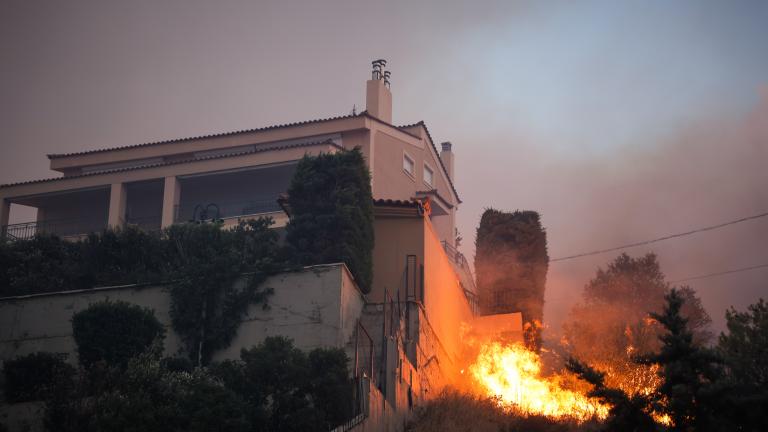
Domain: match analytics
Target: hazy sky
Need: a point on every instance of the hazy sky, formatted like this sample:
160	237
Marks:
618	121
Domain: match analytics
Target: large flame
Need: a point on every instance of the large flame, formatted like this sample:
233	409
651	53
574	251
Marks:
512	375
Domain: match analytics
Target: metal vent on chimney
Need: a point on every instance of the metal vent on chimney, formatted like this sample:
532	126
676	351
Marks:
379	73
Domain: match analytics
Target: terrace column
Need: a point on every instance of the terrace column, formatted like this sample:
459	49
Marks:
171	195
117	200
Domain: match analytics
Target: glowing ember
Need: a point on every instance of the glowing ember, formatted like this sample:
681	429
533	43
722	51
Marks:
512	374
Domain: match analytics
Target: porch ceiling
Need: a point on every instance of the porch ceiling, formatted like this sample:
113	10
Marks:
62	198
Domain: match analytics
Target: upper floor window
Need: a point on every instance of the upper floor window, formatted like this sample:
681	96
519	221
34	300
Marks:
408	164
429	175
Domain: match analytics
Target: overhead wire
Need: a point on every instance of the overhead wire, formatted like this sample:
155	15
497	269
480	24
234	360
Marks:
719	273
667	237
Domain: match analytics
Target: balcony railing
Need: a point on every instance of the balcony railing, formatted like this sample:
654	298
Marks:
224	210
61	228
455	256
462	265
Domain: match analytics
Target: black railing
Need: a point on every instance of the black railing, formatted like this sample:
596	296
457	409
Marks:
364	353
223	210
360	405
62	228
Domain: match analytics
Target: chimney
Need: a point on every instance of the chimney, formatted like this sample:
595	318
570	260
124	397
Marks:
446	155
378	98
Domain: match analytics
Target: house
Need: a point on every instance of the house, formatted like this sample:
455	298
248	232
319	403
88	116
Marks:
404	335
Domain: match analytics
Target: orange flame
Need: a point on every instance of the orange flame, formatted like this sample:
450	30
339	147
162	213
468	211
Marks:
512	375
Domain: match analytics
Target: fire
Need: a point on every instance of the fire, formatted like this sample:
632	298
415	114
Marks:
512	375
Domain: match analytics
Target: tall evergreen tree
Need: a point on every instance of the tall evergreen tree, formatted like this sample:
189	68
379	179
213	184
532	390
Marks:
332	213
688	371
511	263
630	413
744	349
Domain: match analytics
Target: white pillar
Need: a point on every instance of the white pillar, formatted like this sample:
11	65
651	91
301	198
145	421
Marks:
171	195
117	201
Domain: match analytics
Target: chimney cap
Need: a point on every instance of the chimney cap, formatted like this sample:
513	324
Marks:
446	146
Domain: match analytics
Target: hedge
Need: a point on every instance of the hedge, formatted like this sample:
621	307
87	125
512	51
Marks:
36	376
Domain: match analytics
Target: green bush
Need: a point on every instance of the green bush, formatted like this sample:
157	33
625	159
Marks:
332	213
147	397
126	255
114	332
207	305
287	389
45	263
34	376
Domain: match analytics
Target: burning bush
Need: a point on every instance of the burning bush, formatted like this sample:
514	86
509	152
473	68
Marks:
613	324
453	411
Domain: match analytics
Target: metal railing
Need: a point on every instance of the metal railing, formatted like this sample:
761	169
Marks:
364	353
61	228
463	265
455	256
223	210
361	389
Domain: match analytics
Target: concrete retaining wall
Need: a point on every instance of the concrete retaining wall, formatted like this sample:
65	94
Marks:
316	307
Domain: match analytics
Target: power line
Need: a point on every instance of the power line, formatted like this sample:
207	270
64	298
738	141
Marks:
643	243
720	273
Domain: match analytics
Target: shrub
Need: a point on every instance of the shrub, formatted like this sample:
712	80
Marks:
453	411
45	263
332	213
207	305
287	389
34	376
331	388
145	396
123	256
114	332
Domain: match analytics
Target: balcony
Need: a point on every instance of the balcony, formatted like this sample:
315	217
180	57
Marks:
230	212
70	229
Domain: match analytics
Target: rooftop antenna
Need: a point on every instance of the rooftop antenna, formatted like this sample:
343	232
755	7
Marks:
354	109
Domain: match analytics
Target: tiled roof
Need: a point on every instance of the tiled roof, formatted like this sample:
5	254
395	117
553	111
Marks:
266	128
396	203
437	194
160	164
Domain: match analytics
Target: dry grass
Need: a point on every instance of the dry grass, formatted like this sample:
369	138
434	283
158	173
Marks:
453	411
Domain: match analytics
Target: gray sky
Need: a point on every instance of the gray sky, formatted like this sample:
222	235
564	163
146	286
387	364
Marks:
618	121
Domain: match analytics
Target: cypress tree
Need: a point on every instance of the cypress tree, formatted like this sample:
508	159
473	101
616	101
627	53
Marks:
511	263
332	213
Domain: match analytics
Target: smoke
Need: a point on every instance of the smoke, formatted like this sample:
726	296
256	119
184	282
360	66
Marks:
709	170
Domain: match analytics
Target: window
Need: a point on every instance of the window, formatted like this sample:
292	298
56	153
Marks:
408	164
429	175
